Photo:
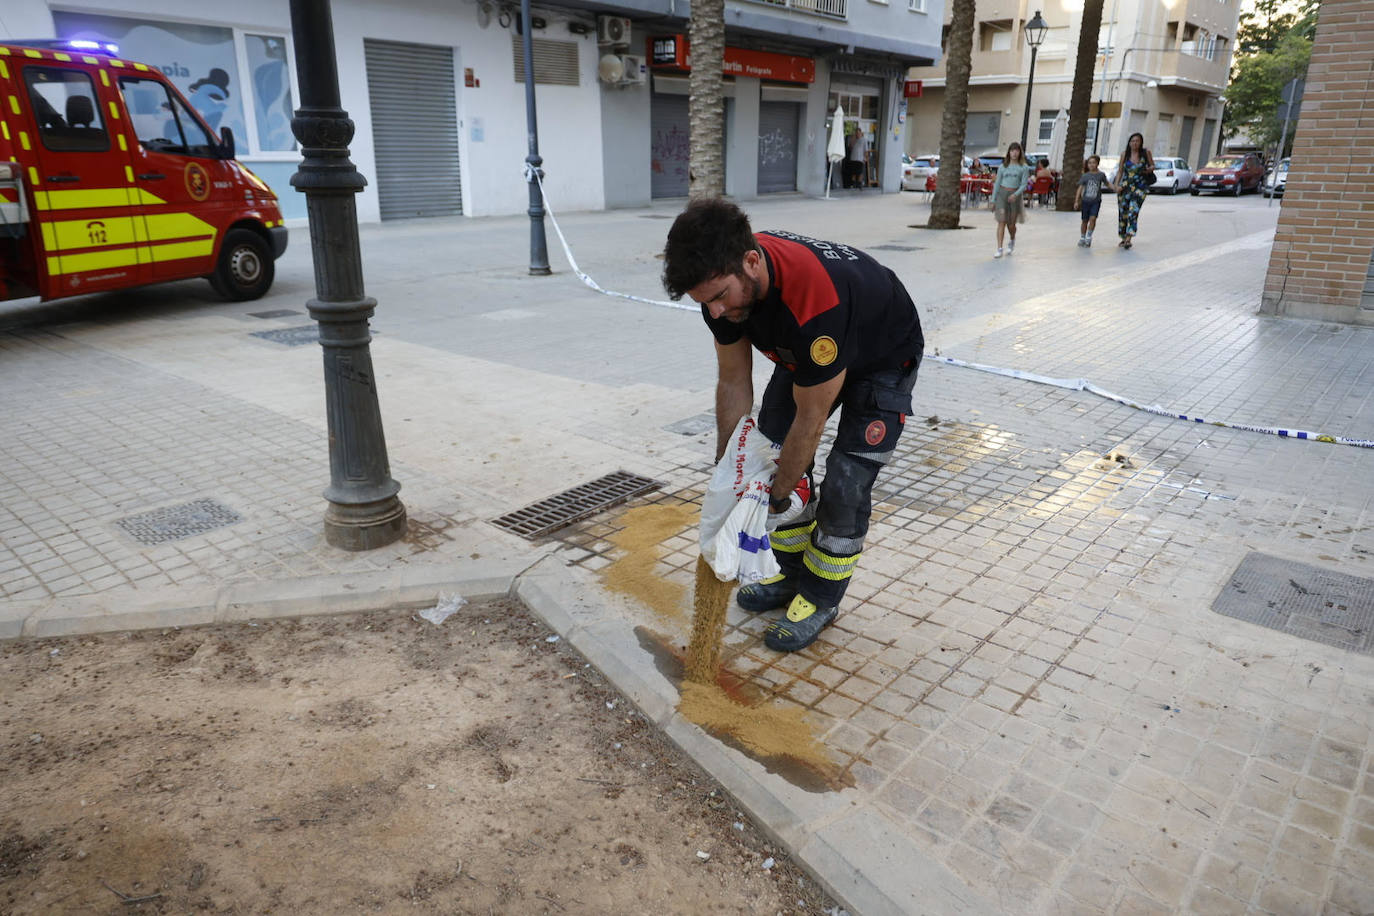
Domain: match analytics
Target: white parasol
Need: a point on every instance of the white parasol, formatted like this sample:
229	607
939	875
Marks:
1057	136
834	150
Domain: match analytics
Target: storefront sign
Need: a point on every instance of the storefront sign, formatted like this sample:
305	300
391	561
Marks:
670	52
912	89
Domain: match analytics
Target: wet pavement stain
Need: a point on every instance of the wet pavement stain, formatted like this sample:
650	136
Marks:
741	716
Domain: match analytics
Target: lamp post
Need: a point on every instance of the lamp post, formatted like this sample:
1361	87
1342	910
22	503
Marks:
364	511
539	246
1035	34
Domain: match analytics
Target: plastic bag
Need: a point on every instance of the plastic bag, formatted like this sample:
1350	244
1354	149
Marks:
447	606
734	513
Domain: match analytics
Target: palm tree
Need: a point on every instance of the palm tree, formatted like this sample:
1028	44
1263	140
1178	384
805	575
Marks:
706	108
944	206
1075	138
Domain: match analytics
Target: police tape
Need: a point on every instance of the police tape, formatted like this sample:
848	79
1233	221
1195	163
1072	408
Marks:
572	262
1082	384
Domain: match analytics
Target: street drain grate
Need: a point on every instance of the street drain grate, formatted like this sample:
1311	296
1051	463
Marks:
274	313
562	509
1305	601
291	337
176	522
895	248
693	426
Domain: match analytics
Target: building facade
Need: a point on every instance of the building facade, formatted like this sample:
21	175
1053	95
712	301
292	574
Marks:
1322	263
1161	70
436	90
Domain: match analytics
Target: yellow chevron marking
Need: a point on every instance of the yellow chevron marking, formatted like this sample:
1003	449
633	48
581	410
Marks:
24	139
104	75
14	104
178	250
98	260
91	60
58	55
30	52
114	112
5	129
33	178
176	226
4	71
140	66
92	198
116	63
129	172
83	233
49	237
123	144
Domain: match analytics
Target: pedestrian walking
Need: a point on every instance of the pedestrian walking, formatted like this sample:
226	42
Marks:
1088	200
1008	195
842	333
856	161
1134	175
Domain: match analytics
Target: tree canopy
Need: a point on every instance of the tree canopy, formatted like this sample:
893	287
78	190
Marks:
1273	46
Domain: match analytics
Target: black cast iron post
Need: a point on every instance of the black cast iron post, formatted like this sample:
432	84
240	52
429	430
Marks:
364	511
539	246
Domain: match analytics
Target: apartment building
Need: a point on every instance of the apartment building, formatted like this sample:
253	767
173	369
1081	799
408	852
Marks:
436	90
1161	70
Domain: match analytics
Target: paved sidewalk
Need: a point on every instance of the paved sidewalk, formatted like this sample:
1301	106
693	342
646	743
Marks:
1038	707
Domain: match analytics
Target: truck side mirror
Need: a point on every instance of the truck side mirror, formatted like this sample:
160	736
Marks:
226	145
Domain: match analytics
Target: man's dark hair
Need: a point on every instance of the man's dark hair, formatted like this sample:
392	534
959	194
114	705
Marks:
709	239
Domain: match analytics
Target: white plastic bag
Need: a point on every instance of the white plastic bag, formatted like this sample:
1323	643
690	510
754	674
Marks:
734	514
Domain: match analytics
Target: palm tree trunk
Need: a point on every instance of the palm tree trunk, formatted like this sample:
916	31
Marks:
1075	138
944	207
706	117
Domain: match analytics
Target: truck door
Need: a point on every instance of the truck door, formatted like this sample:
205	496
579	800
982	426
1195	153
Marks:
177	167
91	230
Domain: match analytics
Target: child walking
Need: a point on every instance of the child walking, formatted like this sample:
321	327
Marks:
1088	200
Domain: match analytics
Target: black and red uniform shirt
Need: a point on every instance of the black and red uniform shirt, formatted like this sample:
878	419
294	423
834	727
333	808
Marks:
829	308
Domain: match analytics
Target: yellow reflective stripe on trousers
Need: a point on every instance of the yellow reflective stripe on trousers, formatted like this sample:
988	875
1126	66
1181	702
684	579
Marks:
791	540
827	567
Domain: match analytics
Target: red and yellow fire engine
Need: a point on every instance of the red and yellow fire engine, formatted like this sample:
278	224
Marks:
109	179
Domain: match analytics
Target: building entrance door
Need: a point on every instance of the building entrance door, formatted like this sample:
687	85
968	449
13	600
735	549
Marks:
860	99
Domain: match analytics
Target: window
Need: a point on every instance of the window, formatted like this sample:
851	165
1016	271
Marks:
233	78
1091	134
995	35
66	109
916	6
162	121
1047	116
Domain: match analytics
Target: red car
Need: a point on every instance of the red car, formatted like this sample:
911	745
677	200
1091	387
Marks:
1232	174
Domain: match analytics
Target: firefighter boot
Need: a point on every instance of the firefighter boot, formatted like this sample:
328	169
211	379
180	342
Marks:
767	595
800	626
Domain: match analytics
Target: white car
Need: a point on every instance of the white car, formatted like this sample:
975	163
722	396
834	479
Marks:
1107	166
1171	173
1277	179
915	171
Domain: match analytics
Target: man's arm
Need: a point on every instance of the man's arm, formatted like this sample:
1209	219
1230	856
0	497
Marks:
799	448
734	389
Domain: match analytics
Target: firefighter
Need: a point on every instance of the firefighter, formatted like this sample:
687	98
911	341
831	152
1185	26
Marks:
843	334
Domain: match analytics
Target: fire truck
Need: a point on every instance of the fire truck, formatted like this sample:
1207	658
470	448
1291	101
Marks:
110	179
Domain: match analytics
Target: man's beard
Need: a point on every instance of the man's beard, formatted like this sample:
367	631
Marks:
750	287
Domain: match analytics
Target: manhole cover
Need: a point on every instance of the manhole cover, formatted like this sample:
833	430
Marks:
693	426
291	337
176	522
1302	600
895	248
538	519
274	313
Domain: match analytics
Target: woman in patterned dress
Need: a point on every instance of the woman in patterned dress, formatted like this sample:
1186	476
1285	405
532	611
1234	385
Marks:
1008	192
1130	179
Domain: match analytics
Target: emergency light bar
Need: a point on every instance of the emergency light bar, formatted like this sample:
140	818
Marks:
83	44
66	44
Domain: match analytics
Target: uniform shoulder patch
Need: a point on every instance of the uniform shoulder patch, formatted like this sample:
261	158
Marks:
824	350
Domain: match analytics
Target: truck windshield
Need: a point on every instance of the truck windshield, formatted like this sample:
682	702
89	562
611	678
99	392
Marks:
162	121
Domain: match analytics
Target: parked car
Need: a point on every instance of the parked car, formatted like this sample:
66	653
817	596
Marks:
1171	173
992	159
1230	174
1276	179
916	170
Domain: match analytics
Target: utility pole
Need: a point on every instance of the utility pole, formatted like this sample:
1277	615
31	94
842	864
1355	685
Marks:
364	511
539	246
1106	58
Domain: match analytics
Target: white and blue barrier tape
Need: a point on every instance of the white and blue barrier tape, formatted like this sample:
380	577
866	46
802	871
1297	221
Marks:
1082	384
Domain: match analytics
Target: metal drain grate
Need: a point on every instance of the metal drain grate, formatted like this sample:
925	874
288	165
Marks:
176	522
538	519
895	248
1305	601
274	313
291	337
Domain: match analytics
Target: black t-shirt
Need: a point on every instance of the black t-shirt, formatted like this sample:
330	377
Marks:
829	307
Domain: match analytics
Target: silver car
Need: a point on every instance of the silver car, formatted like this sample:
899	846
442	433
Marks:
1171	173
1277	178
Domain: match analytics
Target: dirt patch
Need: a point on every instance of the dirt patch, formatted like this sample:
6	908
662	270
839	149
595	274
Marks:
369	763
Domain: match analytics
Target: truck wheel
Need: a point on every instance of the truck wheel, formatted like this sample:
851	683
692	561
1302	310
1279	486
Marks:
245	270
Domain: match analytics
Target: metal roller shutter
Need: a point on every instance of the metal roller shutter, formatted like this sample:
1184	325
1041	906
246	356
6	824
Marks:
778	146
669	148
414	129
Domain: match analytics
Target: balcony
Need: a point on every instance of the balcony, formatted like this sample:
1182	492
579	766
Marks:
827	9
1182	68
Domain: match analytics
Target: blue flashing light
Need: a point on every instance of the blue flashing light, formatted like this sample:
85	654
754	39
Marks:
84	44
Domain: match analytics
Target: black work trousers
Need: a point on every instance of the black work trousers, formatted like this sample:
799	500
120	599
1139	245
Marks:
820	550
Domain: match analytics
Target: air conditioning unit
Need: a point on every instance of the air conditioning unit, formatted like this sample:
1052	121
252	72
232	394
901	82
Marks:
612	30
634	69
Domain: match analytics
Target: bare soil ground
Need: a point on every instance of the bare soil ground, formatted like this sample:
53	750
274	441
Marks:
373	763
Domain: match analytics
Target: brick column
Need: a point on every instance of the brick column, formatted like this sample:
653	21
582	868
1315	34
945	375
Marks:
1325	238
